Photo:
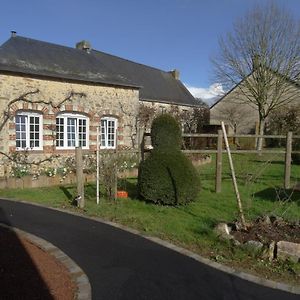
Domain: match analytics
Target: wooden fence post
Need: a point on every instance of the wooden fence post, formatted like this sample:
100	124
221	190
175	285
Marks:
139	144
237	193
219	163
97	166
288	160
115	174
79	177
142	147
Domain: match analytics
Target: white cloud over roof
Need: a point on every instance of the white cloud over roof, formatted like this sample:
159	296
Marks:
209	95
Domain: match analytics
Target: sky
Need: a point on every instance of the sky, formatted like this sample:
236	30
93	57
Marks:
166	34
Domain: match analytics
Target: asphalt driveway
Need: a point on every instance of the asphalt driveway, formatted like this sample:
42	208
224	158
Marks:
121	265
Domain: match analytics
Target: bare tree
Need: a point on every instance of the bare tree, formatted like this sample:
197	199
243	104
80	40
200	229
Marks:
261	57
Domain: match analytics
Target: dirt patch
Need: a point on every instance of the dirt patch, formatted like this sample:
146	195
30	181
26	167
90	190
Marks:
28	272
267	229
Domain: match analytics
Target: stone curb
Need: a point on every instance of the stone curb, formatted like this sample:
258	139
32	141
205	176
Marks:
80	279
249	277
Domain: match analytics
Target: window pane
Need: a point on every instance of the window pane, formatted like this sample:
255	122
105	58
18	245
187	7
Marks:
108	134
59	132
34	131
71	126
21	131
82	132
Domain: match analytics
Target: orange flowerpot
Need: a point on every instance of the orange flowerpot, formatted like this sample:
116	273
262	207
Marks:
122	194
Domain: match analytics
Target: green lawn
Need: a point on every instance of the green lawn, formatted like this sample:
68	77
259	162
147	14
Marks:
260	181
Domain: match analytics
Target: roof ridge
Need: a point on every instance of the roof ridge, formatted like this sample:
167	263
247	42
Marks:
40	41
93	50
131	61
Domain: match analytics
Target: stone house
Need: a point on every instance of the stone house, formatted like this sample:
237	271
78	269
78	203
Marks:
53	98
241	116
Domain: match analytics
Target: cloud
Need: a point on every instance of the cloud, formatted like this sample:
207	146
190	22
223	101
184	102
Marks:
209	95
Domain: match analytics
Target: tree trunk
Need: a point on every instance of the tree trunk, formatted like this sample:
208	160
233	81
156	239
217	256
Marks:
261	132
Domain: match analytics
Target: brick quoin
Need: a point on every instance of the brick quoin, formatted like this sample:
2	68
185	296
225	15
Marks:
56	110
48	138
25	105
69	107
14	108
34	106
49	117
45	110
51	127
93	128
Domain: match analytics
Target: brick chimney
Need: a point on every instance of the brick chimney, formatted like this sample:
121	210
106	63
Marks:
175	73
13	33
84	45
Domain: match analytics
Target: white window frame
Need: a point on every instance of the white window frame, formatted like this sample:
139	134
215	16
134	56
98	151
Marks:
104	131
27	130
77	117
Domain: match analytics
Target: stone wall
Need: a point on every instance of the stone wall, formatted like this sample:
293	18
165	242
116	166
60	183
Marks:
91	100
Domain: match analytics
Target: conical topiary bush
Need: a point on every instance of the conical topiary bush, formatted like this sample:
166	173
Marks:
167	176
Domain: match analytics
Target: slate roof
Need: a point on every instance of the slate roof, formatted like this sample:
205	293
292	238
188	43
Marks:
38	58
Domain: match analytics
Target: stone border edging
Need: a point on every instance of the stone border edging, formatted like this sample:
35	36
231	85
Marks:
79	278
249	277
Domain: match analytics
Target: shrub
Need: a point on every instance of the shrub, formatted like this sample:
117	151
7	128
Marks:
168	178
166	133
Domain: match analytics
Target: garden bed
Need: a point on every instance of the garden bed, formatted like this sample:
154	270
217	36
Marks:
268	229
30	181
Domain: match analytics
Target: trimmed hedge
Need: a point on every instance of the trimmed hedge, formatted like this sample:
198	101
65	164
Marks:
168	178
166	133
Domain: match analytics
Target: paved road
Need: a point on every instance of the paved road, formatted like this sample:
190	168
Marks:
121	265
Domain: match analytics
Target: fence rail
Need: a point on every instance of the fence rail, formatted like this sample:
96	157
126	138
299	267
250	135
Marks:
215	135
219	151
